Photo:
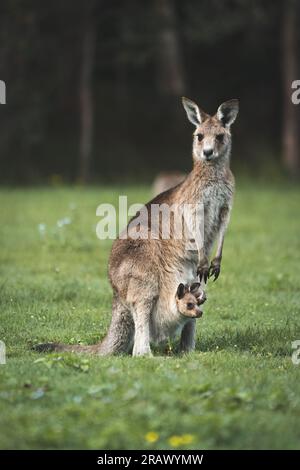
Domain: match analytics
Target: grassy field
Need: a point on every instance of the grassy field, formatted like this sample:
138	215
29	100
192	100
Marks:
239	389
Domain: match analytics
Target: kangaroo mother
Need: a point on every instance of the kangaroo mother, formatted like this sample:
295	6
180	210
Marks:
145	273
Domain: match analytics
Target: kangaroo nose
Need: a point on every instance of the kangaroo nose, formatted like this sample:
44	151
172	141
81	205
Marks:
208	152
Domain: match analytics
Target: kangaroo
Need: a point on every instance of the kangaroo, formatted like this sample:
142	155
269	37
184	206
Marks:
188	301
155	266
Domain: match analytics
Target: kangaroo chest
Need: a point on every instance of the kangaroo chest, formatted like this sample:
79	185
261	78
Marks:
214	198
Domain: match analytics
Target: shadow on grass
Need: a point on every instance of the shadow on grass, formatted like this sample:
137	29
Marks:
258	340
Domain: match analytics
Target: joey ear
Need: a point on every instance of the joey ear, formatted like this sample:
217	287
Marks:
181	290
195	289
227	112
194	113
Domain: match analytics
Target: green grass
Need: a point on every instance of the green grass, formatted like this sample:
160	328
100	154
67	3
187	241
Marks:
239	389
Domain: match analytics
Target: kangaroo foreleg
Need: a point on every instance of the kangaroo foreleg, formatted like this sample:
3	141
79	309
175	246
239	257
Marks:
215	266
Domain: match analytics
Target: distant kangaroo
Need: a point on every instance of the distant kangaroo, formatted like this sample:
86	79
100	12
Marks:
145	273
166	180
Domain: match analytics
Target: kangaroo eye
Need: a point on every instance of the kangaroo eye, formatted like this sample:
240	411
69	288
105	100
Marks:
220	137
200	137
190	305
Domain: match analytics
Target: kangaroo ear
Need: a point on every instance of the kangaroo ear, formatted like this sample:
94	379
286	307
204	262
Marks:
181	290
228	112
194	113
195	289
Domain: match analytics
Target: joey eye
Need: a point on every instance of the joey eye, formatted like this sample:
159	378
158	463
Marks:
190	305
220	137
200	137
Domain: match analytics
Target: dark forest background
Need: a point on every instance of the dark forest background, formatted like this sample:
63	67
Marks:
94	87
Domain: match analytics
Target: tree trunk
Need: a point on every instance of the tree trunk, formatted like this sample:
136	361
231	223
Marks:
170	76
86	98
290	140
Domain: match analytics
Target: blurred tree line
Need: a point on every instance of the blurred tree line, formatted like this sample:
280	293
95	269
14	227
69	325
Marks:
93	86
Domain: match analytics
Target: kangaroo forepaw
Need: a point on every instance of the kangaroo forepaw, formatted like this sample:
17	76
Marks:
203	273
214	270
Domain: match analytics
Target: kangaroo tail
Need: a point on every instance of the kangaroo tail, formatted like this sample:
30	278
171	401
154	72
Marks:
60	347
119	338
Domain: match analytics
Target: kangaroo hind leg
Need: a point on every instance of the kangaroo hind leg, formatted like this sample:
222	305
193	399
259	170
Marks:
119	338
141	312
